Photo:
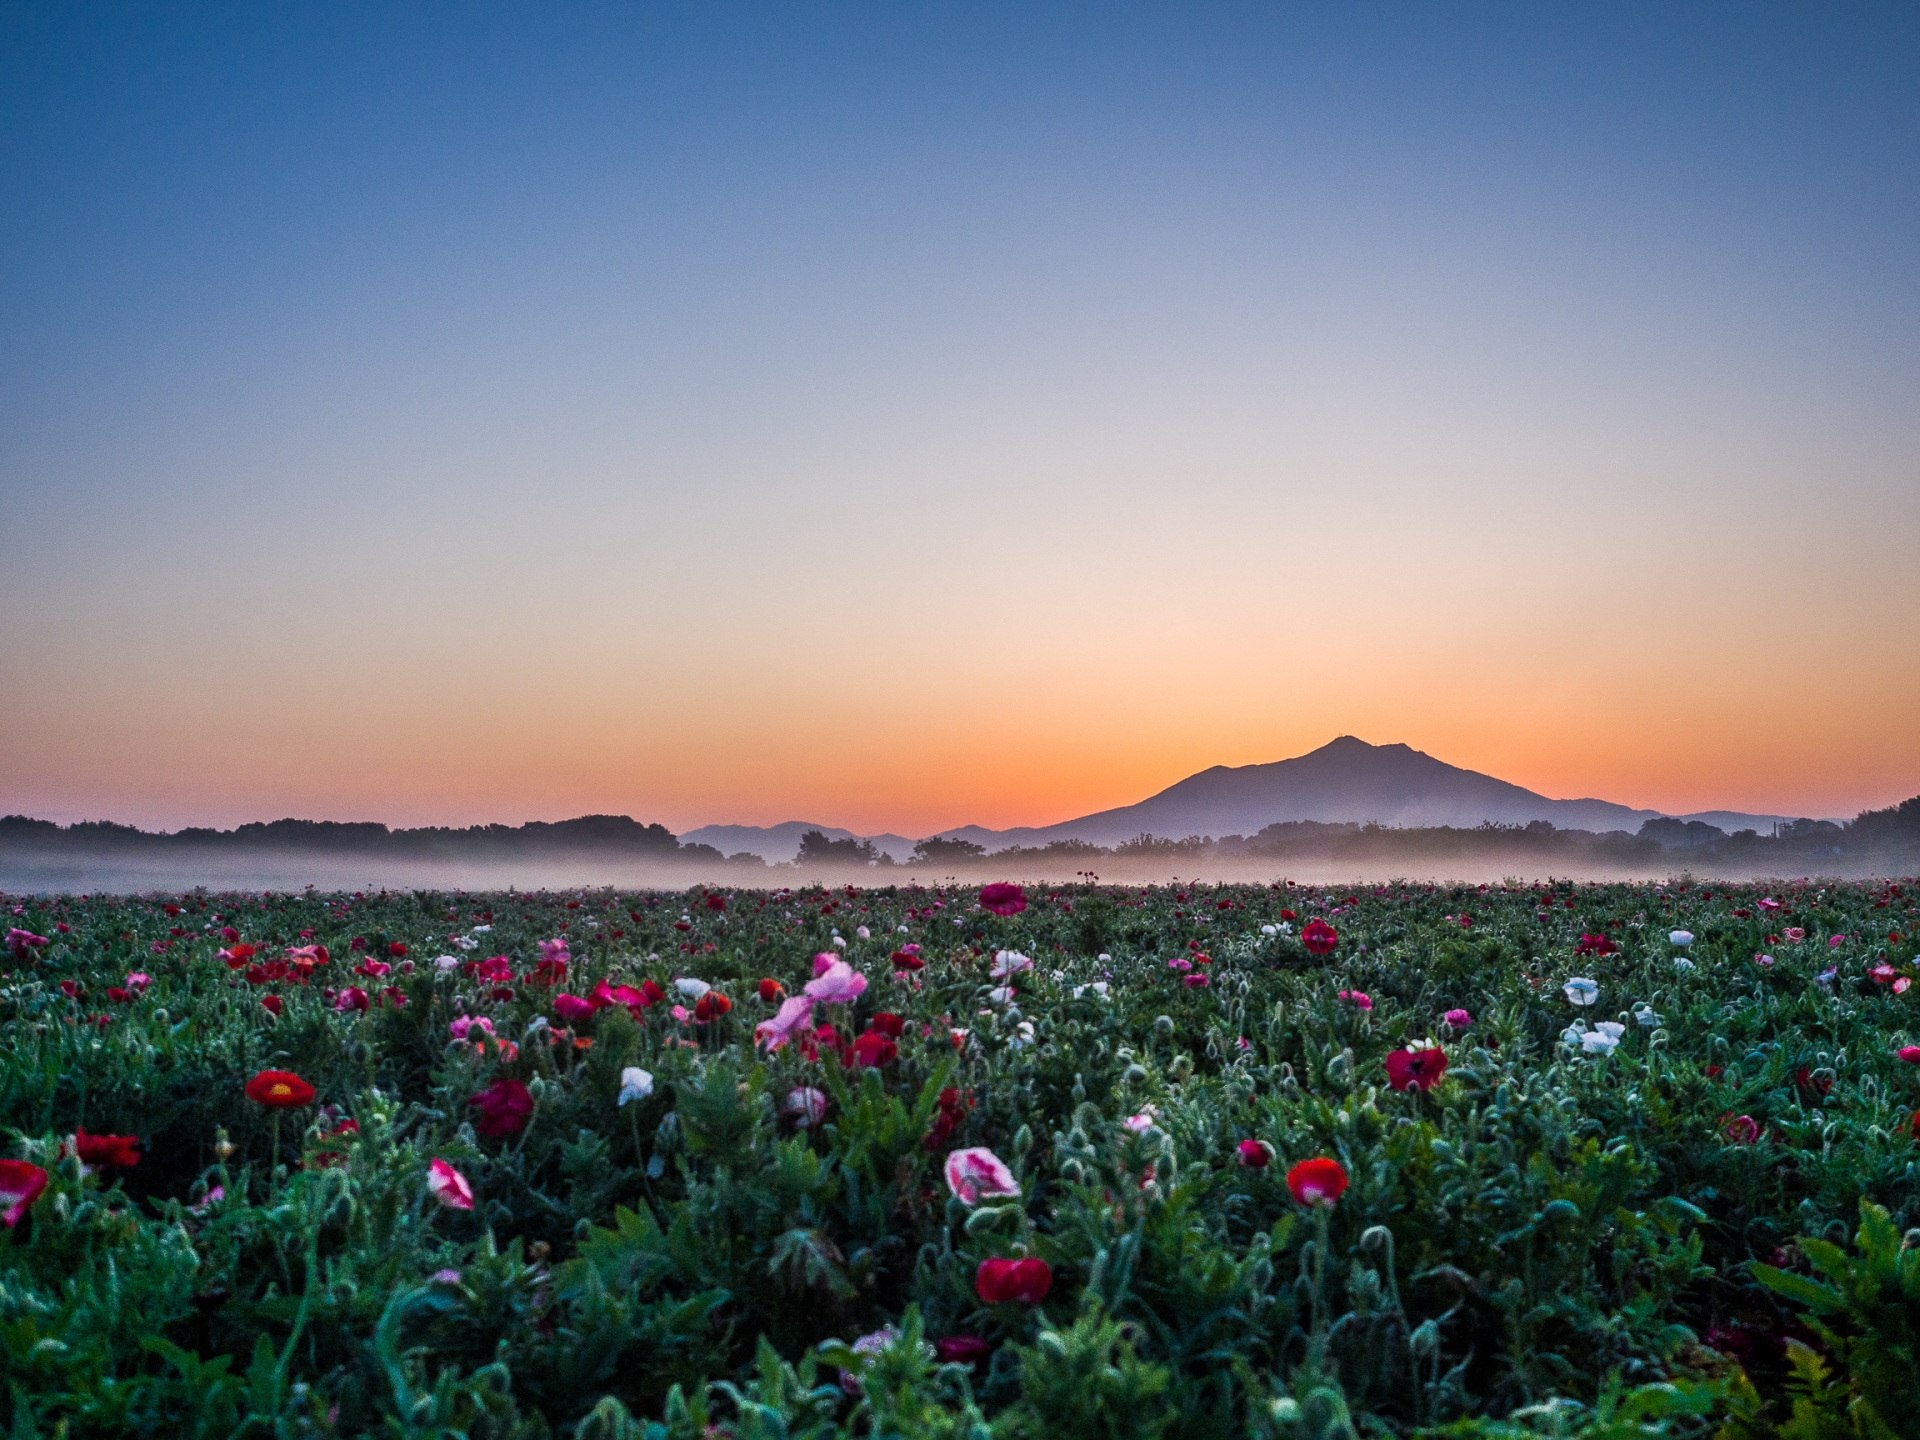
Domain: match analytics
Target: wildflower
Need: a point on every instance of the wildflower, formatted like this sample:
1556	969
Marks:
445	1277
839	983
504	1107
351	998
1025	1281
279	1090
1581	991
978	1173
1763	961
113	1152
1359	999
635	1084
138	982
460	1028
771	990
1741	1129
680	1014
787	1022
19	942
691	988
1003	899
1320	1181
449	1186
1419	1068
20	1185
1141	1123
1680	938
806	1105
1834	942
1682	963
1909	1053
1008	963
966	1350
862	932
1457	1020
1253	1154
907	958
573	1009
1098	987
1319	937
273	1004
1793	934
556	949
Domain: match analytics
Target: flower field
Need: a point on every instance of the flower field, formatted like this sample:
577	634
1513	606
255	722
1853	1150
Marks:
1065	1161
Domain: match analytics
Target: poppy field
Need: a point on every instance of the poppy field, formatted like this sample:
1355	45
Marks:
1091	1160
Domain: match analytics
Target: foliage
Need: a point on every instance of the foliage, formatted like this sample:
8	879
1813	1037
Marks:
1575	1232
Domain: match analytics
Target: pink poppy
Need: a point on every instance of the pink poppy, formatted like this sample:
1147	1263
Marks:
1253	1154
1359	999
838	984
1419	1068
978	1173
20	1186
573	1009
1025	1281
787	1022
449	1186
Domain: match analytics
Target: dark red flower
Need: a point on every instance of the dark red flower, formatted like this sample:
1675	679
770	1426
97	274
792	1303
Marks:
907	960
1319	937
273	1004
504	1107
1023	1281
1254	1154
1003	899
279	1090
716	902
772	991
962	1350
888	1024
1421	1068
397	950
710	1007
118	1152
1289	915
117	996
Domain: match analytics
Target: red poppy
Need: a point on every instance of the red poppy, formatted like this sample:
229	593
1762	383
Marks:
394	996
1289	915
504	1107
1741	1129
1024	1281
273	1004
397	950
890	1025
710	1007
651	993
351	998
1003	899
279	1090
119	1152
1421	1068
907	960
20	1185
1319	1181
1254	1154
1319	937
771	991
873	1049
716	902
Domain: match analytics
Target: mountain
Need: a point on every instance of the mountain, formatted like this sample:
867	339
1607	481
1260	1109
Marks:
777	844
1346	779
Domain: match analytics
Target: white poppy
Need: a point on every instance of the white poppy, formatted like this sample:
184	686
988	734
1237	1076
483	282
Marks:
864	933
1682	938
635	1084
691	988
1581	991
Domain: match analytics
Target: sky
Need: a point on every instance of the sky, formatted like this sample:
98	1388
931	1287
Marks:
902	417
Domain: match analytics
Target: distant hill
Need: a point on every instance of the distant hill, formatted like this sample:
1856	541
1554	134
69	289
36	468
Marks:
1345	779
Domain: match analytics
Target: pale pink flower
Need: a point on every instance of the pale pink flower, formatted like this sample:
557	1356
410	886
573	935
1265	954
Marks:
554	950
838	984
806	1105
824	962
459	1028
978	1173
449	1186
789	1020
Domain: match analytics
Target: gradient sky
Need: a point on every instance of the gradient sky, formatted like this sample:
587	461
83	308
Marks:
901	417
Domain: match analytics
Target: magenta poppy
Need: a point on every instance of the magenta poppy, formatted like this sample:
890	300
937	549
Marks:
1003	899
504	1107
1023	1281
1319	937
1421	1069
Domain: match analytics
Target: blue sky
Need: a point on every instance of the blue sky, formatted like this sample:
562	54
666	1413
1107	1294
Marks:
916	417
